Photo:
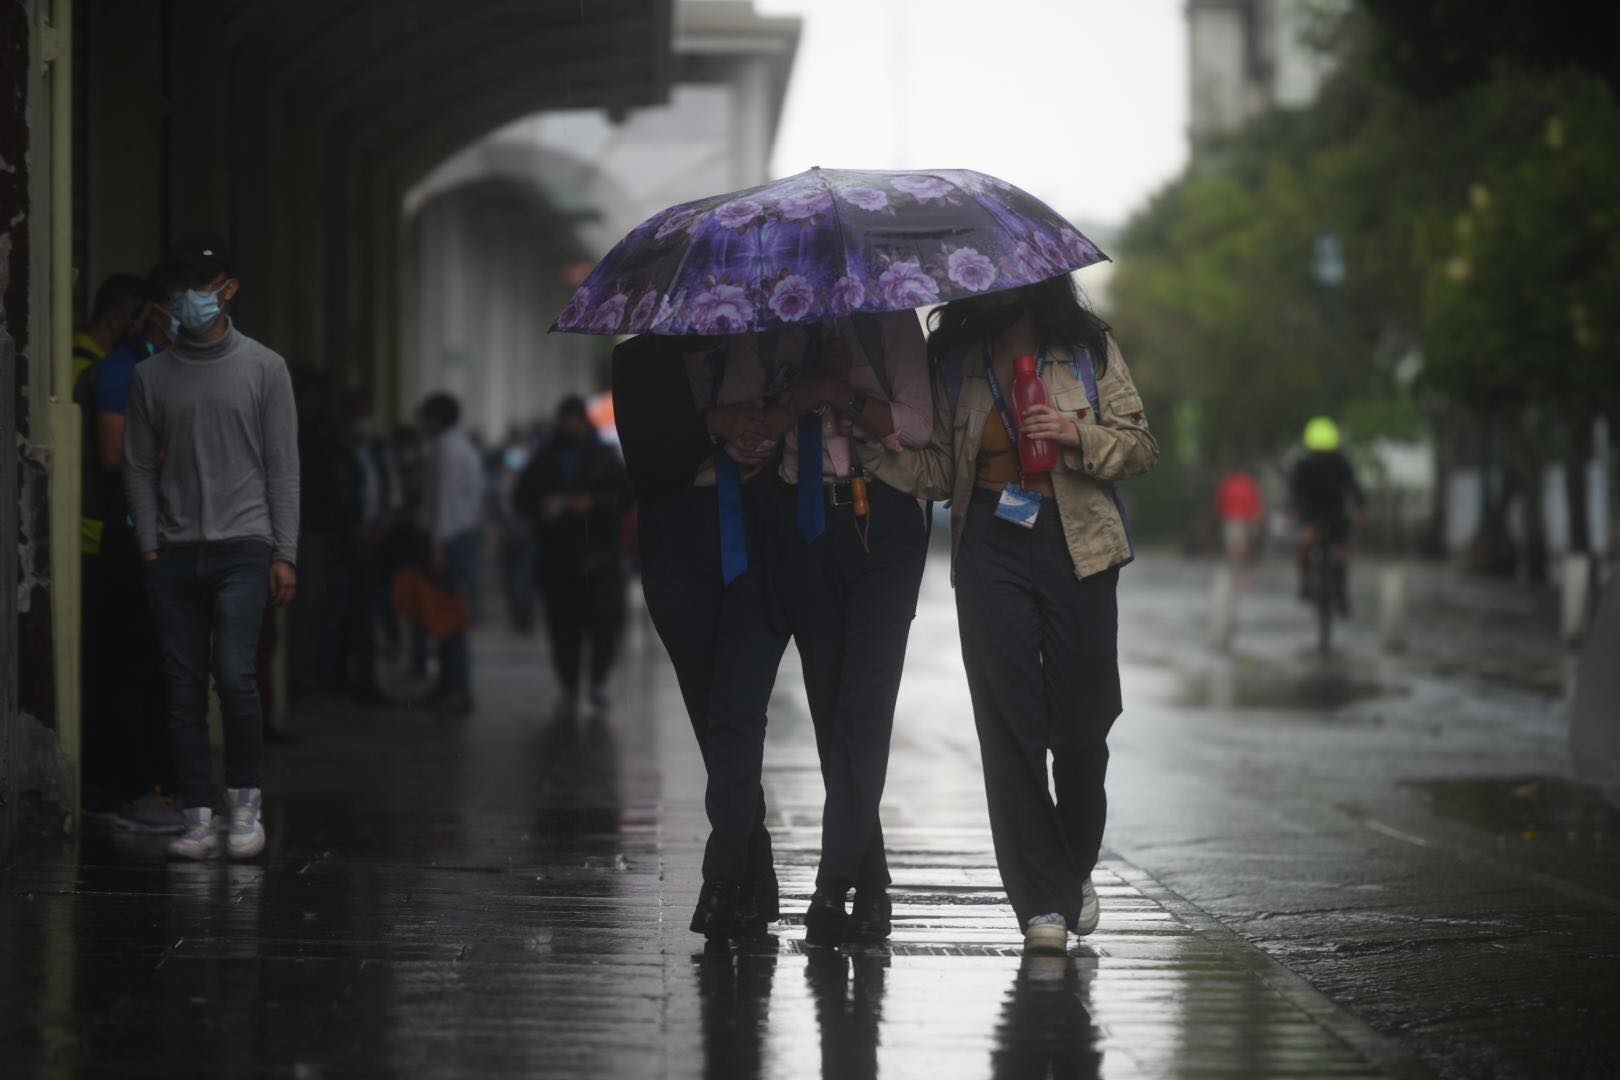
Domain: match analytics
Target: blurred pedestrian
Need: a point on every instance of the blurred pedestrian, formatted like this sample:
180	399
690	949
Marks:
1035	599
451	515
575	492
119	303
364	580
514	531
1326	498
211	470
127	769
1241	508
698	526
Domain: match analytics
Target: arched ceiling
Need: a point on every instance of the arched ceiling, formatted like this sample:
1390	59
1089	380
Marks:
412	80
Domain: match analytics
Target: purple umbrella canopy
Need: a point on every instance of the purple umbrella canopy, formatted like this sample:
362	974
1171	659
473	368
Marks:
823	244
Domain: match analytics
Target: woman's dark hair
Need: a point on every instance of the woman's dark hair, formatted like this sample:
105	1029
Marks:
1054	304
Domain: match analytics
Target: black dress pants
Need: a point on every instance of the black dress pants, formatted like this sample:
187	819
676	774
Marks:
679	540
584	599
1042	658
849	601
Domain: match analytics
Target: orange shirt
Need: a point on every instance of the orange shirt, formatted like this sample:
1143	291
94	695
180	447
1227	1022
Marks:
998	457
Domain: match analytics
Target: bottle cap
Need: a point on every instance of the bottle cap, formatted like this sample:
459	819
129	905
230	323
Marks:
1023	365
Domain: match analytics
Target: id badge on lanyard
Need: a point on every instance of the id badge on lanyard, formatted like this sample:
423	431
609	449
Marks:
1017	504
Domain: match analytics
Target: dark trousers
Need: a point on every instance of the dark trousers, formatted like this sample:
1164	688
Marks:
584	599
460	576
126	739
849	603
679	543
1041	651
208	604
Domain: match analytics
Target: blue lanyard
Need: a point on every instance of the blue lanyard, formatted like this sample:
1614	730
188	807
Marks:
995	389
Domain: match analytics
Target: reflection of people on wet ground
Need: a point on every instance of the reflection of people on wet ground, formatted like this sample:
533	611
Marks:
848	1013
126	741
451	514
1046	1028
844	556
1036	605
734	995
665	393
575	492
211	470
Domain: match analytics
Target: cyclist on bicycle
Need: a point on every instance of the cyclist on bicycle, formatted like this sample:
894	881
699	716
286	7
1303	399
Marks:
1325	497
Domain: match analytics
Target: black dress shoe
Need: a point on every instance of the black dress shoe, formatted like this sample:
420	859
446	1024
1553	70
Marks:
761	902
870	916
716	916
825	922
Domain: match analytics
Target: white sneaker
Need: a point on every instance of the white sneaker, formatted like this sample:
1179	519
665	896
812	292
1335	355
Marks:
199	841
1046	934
246	836
1089	910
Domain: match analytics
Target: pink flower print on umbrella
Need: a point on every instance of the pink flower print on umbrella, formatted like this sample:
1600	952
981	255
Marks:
906	284
970	269
1050	252
805	204
724	309
1027	263
578	305
866	198
609	314
642	315
923	187
1077	247
736	215
680	221
793	297
847	294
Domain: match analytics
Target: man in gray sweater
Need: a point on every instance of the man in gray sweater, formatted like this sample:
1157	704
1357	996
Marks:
211	470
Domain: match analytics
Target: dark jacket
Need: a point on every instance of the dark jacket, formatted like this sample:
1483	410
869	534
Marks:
565	468
660	427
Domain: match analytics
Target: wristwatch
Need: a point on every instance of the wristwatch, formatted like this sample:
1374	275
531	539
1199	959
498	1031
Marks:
857	402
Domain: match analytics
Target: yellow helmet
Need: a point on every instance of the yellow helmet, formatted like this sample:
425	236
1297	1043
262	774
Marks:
1321	434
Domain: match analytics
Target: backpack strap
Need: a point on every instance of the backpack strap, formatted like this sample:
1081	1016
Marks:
1086	372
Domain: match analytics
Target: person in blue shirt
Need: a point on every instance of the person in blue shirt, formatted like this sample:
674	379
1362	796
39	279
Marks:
126	747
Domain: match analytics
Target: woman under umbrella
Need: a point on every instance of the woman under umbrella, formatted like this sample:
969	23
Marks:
1035	600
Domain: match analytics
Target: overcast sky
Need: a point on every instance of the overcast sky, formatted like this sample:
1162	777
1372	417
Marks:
1081	102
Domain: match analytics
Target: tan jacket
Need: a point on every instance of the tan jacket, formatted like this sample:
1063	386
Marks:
1115	446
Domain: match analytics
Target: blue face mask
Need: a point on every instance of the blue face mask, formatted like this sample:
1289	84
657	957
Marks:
197	310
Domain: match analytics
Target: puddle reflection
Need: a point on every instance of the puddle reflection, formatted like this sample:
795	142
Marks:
734	993
848	994
1046	1027
1320	688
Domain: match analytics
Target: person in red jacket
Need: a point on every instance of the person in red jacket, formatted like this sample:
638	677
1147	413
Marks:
1241	507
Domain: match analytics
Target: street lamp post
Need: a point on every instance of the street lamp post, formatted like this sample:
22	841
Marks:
1327	268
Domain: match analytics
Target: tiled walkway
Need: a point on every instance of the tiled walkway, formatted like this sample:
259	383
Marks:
507	895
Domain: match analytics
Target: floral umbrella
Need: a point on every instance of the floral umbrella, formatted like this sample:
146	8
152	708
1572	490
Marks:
823	244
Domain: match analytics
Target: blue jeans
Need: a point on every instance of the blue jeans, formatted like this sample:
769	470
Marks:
208	603
461	567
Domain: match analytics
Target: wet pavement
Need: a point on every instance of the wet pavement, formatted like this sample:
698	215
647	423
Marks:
1348	868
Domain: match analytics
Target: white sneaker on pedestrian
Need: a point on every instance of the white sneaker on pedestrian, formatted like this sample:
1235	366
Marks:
1089	910
200	840
1046	934
246	836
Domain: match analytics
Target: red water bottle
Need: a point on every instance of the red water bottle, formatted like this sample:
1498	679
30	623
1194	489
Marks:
1037	456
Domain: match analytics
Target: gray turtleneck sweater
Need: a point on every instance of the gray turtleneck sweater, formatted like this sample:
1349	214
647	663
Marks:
211	446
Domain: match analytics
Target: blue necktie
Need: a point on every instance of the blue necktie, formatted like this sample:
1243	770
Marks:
728	491
812	509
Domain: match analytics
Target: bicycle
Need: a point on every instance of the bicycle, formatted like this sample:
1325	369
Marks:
1322	584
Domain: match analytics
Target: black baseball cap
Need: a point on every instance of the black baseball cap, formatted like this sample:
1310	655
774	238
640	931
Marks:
205	255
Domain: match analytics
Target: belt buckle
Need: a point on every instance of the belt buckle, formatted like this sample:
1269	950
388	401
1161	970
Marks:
837	497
